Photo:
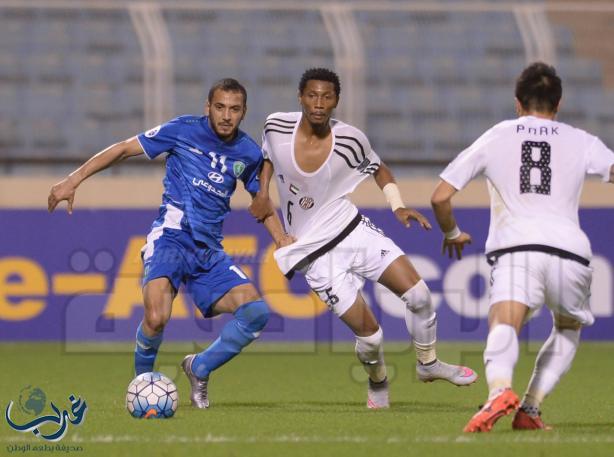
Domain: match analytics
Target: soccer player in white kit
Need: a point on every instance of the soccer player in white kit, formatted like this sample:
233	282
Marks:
535	168
317	162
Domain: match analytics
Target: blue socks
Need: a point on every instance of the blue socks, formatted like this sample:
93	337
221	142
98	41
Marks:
145	350
249	321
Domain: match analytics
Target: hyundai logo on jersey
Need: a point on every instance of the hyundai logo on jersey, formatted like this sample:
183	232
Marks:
215	177
306	202
209	187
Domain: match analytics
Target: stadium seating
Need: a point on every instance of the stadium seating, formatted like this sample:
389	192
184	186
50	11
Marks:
71	80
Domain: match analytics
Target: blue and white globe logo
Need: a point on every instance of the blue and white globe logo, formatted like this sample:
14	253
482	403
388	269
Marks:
32	400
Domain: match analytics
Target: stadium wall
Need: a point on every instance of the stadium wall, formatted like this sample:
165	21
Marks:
76	278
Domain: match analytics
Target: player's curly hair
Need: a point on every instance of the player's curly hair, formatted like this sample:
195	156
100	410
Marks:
228	85
539	88
320	74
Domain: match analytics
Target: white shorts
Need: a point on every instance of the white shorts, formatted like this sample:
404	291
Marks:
338	275
534	278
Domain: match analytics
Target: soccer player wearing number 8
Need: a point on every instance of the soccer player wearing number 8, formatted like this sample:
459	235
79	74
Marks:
535	168
206	156
318	161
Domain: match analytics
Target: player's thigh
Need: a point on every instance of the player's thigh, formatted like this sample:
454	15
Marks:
168	253
220	285
234	298
568	290
158	295
378	258
562	322
165	264
399	276
509	313
359	318
330	278
517	281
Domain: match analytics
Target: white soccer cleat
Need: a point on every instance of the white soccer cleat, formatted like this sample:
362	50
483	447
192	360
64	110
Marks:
198	396
456	374
377	395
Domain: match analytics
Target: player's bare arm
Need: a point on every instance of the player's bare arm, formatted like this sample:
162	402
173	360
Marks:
454	240
612	174
262	206
275	228
65	189
385	180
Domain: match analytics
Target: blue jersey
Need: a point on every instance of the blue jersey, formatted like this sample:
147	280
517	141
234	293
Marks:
201	175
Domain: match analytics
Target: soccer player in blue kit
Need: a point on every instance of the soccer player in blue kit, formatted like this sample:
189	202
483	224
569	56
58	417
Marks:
206	156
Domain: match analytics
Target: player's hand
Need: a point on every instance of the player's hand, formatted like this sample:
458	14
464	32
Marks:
64	190
261	207
405	215
285	240
456	245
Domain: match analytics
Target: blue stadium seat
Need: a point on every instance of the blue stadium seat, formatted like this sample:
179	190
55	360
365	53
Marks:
435	80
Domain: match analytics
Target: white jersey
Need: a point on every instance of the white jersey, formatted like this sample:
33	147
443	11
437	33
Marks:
315	206
535	170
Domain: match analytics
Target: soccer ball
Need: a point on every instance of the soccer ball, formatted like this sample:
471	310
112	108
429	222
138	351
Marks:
152	395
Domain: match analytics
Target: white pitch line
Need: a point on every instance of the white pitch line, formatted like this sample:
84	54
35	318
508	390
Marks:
537	438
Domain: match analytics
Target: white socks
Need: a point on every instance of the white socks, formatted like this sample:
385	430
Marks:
421	321
500	357
553	361
370	351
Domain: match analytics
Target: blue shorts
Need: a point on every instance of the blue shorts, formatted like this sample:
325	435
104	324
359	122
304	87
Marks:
207	273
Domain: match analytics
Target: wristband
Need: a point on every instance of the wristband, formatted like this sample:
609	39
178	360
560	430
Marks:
452	234
393	196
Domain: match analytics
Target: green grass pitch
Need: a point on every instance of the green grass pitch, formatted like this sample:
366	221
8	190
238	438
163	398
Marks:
305	400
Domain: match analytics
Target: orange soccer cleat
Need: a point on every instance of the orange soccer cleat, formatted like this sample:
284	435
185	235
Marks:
503	404
524	421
